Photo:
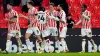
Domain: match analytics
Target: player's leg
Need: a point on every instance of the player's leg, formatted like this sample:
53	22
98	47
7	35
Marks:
38	38
27	35
83	33
46	41
62	36
83	43
55	35
18	35
9	42
89	35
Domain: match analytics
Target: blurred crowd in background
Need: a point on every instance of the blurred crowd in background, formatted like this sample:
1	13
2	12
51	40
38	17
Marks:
22	3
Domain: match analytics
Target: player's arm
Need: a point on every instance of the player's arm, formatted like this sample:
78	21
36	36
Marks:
21	15
6	19
79	22
13	20
62	18
87	17
54	18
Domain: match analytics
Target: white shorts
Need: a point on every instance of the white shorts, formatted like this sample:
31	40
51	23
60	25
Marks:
44	33
86	32
33	29
14	33
53	31
63	32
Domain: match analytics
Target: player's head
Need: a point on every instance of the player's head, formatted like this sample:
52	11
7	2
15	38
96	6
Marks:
51	5
9	6
60	7
41	8
84	7
30	4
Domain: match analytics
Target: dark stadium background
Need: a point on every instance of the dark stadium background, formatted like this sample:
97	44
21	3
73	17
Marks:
73	37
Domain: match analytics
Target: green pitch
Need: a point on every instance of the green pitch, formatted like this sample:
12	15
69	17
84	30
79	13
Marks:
53	54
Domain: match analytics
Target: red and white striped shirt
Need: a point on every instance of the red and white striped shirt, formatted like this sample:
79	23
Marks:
31	14
42	27
42	20
62	16
86	24
51	22
13	26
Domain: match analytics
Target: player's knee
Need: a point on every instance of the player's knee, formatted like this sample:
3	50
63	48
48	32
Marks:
89	39
56	38
83	38
27	35
61	39
9	37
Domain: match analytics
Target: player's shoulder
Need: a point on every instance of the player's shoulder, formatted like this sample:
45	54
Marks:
47	10
62	12
13	11
87	11
33	9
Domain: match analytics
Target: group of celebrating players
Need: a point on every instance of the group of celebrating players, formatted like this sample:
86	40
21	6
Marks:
44	23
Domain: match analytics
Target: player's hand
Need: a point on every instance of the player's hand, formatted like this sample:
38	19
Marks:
30	25
6	19
21	15
10	22
74	26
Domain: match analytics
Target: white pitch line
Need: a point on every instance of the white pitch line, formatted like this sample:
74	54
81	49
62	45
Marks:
81	35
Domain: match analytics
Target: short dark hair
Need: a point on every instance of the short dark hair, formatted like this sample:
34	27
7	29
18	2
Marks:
31	3
51	4
61	5
85	6
10	4
41	8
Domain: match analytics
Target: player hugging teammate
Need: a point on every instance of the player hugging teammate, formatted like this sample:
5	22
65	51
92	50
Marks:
44	23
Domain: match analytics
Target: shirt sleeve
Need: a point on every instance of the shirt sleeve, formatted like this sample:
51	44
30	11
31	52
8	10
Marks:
63	17
35	12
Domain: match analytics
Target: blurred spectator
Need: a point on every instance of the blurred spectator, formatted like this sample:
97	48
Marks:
23	2
24	6
70	21
16	2
45	2
37	2
1	4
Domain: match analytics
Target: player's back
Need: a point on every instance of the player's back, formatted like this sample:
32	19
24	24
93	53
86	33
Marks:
42	17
